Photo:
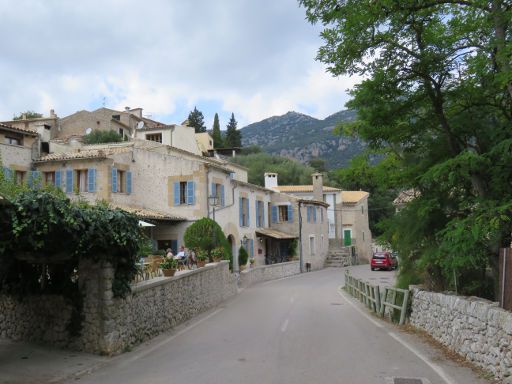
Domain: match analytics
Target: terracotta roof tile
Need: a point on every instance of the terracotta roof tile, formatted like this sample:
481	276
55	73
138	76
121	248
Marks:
20	130
145	213
351	197
84	154
303	188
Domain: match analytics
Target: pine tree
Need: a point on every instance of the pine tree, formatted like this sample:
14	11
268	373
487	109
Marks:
217	136
196	120
233	137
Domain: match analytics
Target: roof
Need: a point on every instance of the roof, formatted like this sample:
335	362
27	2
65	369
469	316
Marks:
18	130
405	197
84	154
352	197
275	234
303	188
150	214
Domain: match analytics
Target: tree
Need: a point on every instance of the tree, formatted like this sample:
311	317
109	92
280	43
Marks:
437	95
99	137
233	136
196	120
205	234
217	136
28	115
318	164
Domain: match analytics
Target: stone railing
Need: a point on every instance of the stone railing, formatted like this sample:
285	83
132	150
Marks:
475	328
268	272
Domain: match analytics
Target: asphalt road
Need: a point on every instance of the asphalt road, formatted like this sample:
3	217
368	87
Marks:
296	330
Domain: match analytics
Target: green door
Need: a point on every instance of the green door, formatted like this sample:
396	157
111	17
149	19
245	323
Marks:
347	237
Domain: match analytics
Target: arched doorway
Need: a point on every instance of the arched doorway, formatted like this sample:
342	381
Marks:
232	243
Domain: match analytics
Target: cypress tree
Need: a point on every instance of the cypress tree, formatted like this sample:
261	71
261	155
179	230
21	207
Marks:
217	136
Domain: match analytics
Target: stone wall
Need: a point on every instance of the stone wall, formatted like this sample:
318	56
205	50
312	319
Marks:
475	328
268	272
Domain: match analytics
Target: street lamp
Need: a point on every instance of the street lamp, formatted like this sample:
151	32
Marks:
214	202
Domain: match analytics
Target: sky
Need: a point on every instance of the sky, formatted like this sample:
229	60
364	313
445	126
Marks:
255	59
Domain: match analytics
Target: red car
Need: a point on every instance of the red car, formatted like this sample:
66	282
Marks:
383	260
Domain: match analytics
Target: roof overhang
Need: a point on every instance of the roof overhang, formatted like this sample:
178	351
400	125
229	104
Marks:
275	234
149	214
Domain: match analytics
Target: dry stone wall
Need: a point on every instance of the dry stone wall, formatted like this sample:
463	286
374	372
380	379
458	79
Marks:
268	272
475	328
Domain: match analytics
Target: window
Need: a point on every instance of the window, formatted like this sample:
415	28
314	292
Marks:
362	209
183	192
218	191
116	117
260	213
311	212
121	132
312	245
282	213
13	140
321	215
49	178
244	212
121	181
154	137
19	177
81	180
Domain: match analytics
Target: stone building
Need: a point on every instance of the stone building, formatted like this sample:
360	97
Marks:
356	229
18	146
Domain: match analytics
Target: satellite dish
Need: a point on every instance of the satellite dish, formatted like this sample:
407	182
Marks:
88	131
140	125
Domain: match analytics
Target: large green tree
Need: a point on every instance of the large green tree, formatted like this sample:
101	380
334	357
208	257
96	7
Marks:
233	136
217	136
437	95
196	120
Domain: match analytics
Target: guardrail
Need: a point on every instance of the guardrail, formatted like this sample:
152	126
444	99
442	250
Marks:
376	301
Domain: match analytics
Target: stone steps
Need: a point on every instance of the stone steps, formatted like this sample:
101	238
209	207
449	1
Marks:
338	257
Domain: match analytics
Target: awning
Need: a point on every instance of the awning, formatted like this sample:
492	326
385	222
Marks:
275	234
145	224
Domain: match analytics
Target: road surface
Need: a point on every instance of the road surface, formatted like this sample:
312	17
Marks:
299	330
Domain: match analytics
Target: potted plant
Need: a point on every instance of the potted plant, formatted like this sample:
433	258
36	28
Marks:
217	254
242	258
169	266
252	261
202	258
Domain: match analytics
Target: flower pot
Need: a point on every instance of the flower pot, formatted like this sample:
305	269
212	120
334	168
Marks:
242	268
201	263
217	259
169	272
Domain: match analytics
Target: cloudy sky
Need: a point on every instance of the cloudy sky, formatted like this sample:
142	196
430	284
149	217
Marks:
252	58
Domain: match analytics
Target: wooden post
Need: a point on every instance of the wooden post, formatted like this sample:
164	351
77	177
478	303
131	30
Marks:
505	278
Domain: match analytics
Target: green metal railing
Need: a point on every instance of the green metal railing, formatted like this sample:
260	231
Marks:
371	296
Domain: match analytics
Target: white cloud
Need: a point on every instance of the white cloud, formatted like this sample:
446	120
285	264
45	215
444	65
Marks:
255	59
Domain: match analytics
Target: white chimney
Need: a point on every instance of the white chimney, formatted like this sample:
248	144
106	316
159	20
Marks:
270	180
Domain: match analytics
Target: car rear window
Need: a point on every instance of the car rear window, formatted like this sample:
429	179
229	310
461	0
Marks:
379	256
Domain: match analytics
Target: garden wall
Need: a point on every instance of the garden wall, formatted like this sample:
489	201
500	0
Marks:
268	272
475	328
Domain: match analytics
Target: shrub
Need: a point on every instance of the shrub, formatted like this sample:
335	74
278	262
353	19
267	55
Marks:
99	137
206	235
242	256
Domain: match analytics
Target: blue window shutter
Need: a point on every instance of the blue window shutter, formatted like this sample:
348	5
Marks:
274	214
69	180
128	182
309	214
58	178
91	180
251	250
257	213
7	173
114	179
190	193
262	214
241	211
248	216
290	213
222	201
212	189
176	193
314	214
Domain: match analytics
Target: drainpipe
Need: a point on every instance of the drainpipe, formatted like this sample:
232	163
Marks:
301	256
207	182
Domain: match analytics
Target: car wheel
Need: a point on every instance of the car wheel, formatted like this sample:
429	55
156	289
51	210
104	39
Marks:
373	269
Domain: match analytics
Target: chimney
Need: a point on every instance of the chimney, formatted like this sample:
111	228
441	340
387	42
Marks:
127	109
270	180
52	113
318	186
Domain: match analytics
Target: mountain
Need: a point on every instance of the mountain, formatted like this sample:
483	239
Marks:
302	137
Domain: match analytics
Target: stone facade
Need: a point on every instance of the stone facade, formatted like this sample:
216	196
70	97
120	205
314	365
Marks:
355	219
475	328
268	272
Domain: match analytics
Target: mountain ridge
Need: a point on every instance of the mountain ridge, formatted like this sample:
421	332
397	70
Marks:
303	137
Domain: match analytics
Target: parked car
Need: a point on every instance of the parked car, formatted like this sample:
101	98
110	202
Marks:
383	260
